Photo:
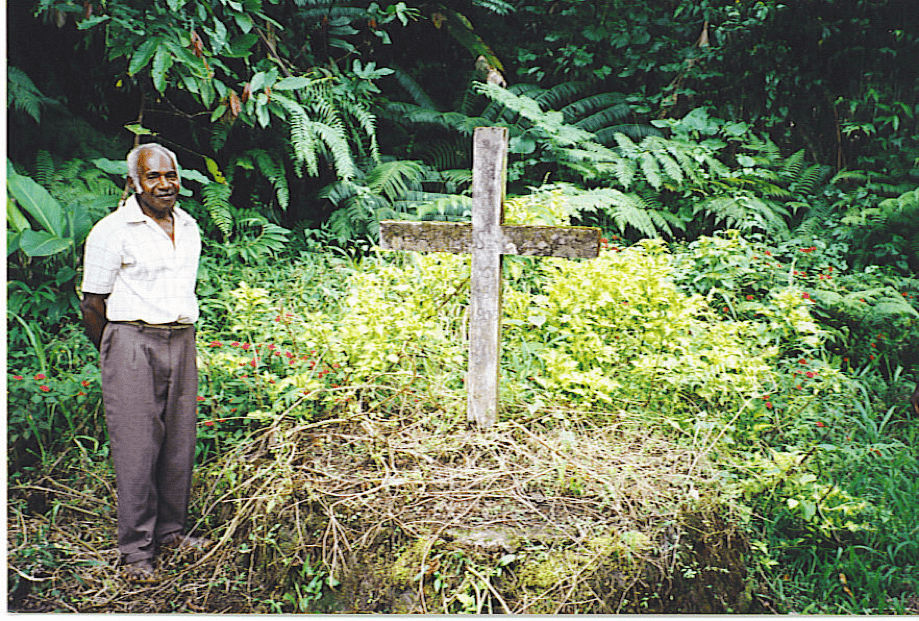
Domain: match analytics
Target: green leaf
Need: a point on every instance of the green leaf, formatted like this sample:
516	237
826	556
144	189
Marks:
139	130
143	55
257	82
244	22
95	20
38	203
261	113
112	167
12	244
289	84
14	217
193	175
241	45
42	244
218	112
162	61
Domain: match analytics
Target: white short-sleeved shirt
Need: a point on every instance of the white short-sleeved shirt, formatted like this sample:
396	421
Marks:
148	278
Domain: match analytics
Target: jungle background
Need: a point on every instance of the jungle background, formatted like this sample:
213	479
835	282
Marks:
712	416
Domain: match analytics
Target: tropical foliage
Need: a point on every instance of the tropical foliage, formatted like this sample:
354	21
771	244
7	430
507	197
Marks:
753	165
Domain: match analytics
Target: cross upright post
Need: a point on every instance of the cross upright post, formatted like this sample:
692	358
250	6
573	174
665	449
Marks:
488	239
489	167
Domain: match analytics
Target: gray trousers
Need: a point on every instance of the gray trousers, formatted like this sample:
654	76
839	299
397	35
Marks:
149	385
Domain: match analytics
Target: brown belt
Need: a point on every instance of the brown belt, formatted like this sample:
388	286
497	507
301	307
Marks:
159	326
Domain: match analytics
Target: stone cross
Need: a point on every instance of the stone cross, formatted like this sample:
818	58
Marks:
488	239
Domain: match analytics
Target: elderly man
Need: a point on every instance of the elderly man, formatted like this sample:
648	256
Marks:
139	309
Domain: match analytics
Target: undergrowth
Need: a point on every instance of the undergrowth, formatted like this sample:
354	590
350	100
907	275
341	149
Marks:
682	430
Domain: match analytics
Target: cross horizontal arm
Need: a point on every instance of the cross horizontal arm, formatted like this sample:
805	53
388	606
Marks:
573	242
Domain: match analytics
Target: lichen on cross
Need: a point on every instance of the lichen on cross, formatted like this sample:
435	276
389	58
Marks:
488	239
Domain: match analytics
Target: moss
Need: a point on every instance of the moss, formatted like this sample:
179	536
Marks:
408	565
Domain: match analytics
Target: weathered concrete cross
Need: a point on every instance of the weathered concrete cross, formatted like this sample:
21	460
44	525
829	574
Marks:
488	239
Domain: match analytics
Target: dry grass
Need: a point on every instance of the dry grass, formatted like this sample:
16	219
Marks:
351	494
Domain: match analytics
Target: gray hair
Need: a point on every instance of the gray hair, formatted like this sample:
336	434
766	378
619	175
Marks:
134	155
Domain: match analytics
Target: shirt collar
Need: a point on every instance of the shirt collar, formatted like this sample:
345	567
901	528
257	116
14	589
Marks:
134	213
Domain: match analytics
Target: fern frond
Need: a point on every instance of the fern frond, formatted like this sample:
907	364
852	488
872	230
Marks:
499	7
394	179
303	142
44	168
612	116
413	89
651	169
22	95
634	131
554	97
273	170
216	198
792	167
443	207
444	154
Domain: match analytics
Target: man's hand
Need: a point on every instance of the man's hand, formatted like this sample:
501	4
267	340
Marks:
93	309
914	400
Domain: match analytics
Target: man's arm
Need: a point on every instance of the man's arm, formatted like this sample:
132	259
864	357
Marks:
93	309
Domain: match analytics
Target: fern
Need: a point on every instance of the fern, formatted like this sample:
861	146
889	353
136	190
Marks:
44	168
413	89
394	179
270	168
499	7
23	96
216	198
444	154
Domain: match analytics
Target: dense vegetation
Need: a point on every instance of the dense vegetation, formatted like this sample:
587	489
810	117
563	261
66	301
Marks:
736	363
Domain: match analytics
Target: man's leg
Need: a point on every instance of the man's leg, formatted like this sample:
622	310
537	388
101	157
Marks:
177	455
136	430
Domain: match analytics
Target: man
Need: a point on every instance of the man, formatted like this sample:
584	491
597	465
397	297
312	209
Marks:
914	400
139	309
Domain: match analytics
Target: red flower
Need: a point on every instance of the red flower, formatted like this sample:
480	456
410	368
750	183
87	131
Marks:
85	383
44	388
246	346
234	344
40	376
821	424
271	347
802	361
810	374
871	356
199	398
216	344
208	423
768	405
17	377
749	297
806	296
768	254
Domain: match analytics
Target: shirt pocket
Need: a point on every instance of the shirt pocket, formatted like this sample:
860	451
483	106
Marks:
144	258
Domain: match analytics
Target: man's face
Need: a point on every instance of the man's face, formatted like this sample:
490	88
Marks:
159	182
